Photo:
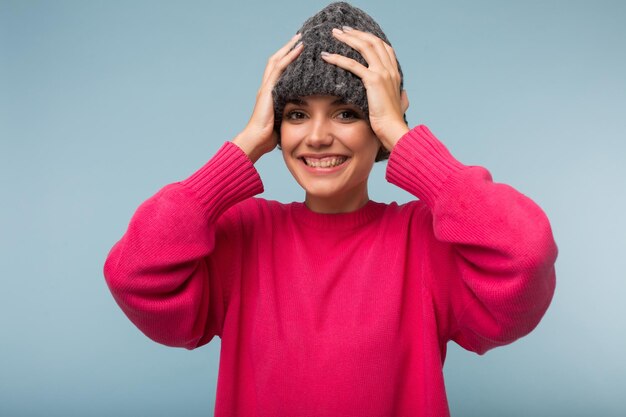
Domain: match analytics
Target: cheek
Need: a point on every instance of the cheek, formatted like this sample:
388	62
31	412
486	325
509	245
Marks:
287	137
368	146
290	162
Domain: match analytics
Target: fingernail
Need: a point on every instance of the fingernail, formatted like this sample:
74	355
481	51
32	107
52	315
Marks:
347	28
299	44
325	54
337	30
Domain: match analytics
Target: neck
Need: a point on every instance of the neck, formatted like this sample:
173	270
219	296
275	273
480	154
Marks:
346	203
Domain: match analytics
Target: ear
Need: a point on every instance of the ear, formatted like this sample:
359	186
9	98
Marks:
404	100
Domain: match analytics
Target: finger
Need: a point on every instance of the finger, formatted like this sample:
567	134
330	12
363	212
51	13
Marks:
382	48
281	64
366	74
392	57
348	64
271	63
370	46
384	52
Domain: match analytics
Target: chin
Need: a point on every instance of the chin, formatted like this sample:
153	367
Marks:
323	192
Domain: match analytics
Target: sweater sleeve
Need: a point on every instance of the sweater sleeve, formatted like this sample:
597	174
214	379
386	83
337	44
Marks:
498	239
158	272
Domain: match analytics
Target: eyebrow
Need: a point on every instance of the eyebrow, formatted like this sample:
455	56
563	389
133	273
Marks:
303	102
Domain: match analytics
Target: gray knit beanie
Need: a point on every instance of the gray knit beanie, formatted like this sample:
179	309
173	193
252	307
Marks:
309	74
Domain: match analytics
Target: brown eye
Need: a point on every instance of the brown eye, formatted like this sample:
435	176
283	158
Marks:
293	115
348	114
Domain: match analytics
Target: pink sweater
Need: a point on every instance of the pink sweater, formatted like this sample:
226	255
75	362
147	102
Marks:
336	314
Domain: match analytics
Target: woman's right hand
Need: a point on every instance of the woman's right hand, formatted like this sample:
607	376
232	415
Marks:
259	136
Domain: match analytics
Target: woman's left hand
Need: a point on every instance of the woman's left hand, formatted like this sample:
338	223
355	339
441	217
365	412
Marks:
381	80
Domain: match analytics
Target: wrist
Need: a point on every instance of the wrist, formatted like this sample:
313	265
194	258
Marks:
393	134
246	143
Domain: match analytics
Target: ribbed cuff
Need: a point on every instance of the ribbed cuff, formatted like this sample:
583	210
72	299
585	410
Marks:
226	179
420	164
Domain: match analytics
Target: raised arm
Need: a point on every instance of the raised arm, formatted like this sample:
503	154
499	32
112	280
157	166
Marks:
499	240
158	271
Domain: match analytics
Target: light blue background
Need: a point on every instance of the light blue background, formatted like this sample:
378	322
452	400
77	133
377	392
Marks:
103	103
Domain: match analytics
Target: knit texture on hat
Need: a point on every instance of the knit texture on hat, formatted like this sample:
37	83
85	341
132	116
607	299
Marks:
309	74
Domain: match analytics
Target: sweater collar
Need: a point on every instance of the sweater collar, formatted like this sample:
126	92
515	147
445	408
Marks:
370	211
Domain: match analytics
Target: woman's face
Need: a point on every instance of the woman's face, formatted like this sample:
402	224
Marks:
329	148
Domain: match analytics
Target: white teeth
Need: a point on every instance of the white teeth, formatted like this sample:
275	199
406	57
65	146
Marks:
325	162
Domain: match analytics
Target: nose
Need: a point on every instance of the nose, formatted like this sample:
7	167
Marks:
320	134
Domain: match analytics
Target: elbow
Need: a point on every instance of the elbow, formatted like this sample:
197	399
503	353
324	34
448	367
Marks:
513	306
539	248
527	304
501	332
110	270
513	314
530	308
177	341
171	315
540	278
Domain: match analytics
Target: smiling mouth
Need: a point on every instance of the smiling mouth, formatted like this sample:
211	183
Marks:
326	162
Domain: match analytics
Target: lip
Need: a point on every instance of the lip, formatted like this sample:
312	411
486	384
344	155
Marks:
320	155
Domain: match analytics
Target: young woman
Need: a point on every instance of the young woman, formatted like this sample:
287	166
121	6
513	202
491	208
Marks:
339	305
